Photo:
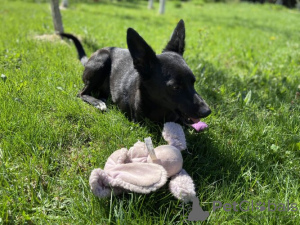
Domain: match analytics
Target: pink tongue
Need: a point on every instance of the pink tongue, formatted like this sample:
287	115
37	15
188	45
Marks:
198	125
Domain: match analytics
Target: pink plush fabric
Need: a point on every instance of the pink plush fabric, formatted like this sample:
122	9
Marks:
169	157
100	185
120	173
138	177
138	152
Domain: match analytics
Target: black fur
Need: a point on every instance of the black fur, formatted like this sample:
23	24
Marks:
141	83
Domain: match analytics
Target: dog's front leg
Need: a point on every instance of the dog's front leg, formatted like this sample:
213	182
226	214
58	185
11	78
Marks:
99	104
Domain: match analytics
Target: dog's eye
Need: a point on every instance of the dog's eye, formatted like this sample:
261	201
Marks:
176	87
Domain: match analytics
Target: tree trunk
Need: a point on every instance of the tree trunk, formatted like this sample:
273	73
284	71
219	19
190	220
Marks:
56	16
162	6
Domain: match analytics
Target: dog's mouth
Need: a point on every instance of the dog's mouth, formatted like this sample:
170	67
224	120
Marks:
195	123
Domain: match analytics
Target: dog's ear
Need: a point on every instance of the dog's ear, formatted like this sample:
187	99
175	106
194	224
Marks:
142	54
177	43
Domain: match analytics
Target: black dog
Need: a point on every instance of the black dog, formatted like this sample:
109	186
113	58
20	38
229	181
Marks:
141	83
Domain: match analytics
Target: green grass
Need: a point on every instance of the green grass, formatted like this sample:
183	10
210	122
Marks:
247	62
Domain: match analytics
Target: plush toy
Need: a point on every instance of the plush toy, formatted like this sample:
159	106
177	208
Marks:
143	169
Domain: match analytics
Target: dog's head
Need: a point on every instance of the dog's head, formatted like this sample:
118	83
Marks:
166	78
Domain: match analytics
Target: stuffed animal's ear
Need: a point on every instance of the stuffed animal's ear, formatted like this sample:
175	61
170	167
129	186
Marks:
137	177
177	41
174	135
98	187
142	54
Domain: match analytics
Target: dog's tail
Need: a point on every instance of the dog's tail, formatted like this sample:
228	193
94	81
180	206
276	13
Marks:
81	53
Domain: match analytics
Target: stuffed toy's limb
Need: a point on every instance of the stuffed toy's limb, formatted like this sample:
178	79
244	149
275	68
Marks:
182	186
174	135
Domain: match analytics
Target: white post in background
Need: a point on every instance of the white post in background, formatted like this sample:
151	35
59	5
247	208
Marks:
65	3
56	16
150	4
162	6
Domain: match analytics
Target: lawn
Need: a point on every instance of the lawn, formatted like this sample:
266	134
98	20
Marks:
246	58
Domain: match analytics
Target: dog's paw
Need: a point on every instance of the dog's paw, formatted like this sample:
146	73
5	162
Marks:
101	106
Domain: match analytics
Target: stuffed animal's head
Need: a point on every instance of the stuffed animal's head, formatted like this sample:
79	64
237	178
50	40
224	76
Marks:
169	157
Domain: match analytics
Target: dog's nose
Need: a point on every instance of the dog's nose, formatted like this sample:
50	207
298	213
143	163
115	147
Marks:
203	108
205	112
